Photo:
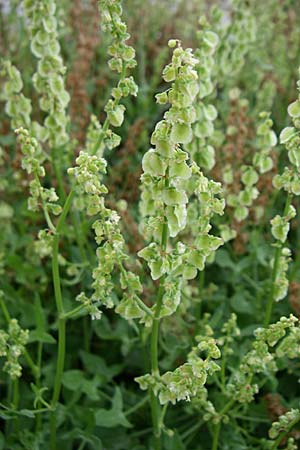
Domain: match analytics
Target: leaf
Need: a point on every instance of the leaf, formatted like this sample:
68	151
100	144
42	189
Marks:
41	336
97	365
109	418
223	259
94	441
239	303
73	379
173	442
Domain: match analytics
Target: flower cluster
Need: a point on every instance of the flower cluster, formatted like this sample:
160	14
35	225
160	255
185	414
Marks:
169	179
188	379
260	359
284	423
262	162
12	345
18	107
200	149
111	245
123	58
229	330
289	181
208	201
165	166
237	39
49	78
31	162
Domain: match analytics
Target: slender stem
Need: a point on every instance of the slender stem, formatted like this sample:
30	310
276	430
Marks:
137	406
216	436
4	310
191	431
278	251
106	122
223	364
217	428
101	136
72	313
38	423
79	235
55	159
61	321
16	398
155	407
201	279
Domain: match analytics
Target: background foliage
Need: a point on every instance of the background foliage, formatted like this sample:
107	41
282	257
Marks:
248	70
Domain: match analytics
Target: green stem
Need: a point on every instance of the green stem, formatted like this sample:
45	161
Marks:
72	313
82	445
106	122
16	398
61	321
137	406
278	251
201	280
101	136
223	364
38	423
55	159
216	436
155	407
217	428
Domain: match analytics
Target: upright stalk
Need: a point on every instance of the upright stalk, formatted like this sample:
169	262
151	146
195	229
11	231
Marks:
217	428
61	320
275	269
155	407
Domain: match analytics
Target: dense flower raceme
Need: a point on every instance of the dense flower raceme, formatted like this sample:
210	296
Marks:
188	379
237	38
49	77
170	175
111	252
17	106
289	181
282	336
261	163
122	59
272	344
12	344
200	147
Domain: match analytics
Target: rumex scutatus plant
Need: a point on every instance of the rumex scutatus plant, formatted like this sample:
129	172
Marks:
178	344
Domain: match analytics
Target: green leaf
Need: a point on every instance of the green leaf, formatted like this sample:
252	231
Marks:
114	417
73	379
41	336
